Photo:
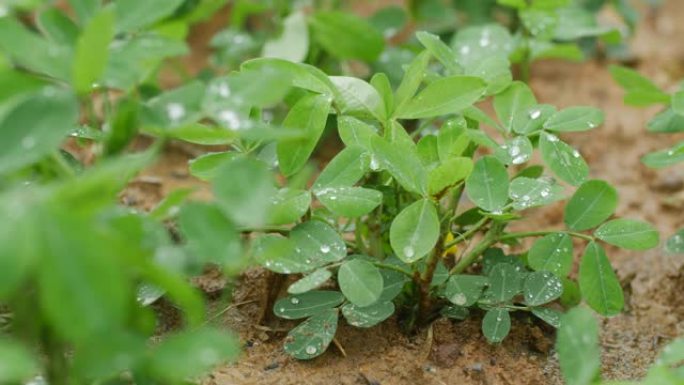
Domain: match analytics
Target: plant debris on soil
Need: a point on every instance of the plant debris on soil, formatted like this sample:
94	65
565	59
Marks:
456	352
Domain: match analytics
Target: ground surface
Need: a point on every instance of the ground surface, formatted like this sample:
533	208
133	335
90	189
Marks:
456	353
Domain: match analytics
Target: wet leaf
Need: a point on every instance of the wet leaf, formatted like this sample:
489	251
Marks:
465	290
527	192
311	338
598	282
307	304
628	234
369	316
496	324
360	281
550	316
404	165
349	202
487	186
566	162
310	282
541	287
593	202
414	232
577	346
443	96
505	282
512	104
552	253
575	119
288	205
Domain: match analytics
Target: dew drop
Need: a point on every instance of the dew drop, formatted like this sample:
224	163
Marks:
409	252
325	249
544	193
459	299
551	138
294	300
575	154
28	142
535	114
311	349
175	111
230	119
374	164
464	50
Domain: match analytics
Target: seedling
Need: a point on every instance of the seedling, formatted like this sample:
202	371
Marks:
580	356
641	92
387	228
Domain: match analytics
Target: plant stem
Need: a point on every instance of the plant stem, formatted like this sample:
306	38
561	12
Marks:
425	280
490	238
462	237
544	232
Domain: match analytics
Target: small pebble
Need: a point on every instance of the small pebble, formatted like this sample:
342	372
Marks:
271	366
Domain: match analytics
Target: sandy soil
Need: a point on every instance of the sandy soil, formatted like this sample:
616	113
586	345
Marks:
457	353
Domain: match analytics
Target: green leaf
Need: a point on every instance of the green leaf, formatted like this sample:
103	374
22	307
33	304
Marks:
678	102
552	253
516	150
293	42
205	349
533	119
210	236
675	244
566	162
550	316
100	299
345	169
346	36
299	75
639	90
476	43
428	153
312	337
439	50
349	202
448	173
413	78
369	316
494	70
403	164
309	113
92	53
310	282
496	324
465	290
307	304
672	353
288	206
578	347
29	50
513	104
452	139
541	287
527	192
206	166
17	239
593	202
575	119
57	26
27	136
505	282
244	189
666	121
665	158
85	9
628	234
382	84
278	254
393	281
447	95
318	243
414	232
360	281
358	98
455	312
134	15
354	132
487	186
17	363
598	283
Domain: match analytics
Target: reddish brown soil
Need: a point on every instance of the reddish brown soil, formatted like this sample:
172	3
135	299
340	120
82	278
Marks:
457	353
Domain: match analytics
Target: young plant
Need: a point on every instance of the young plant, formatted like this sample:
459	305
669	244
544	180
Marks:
75	266
390	229
580	357
640	91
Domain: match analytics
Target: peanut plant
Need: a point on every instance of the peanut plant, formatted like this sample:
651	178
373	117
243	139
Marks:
641	92
386	226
